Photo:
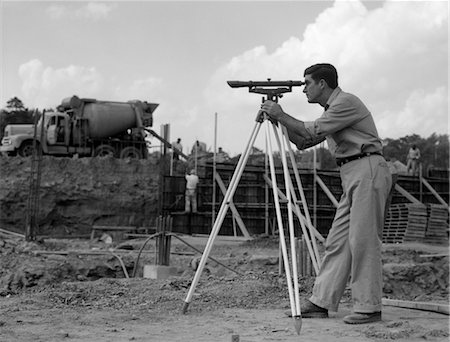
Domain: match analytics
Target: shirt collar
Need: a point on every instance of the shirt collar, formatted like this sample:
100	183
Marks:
333	96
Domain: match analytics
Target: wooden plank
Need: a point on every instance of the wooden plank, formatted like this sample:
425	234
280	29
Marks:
12	233
406	194
235	212
426	306
300	216
439	198
327	191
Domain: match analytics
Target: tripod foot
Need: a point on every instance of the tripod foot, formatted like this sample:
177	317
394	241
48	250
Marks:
185	307
298	324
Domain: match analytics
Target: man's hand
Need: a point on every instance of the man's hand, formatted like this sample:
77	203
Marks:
273	110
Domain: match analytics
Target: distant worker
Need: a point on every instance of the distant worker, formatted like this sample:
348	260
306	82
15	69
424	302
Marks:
198	148
177	147
412	164
191	192
222	156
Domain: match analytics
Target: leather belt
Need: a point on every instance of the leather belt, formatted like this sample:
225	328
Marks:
342	161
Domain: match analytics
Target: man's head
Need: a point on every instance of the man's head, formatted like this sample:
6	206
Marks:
193	172
320	81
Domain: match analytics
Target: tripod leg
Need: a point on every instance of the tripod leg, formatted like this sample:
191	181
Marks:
280	223
222	212
288	185
315	259
301	218
312	251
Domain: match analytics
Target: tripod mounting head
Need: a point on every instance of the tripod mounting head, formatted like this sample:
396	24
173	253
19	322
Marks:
267	87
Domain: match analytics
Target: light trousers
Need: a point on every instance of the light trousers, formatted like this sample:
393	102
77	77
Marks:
353	245
190	199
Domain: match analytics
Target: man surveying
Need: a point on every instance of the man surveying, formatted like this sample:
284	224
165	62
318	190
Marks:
353	245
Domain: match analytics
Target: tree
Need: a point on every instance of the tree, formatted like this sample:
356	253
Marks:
15	104
15	113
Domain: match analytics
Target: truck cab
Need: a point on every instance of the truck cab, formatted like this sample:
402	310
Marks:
18	139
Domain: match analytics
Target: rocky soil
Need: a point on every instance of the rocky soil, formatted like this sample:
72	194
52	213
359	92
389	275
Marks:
84	283
93	290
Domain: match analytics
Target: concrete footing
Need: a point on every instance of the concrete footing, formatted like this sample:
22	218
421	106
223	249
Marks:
158	271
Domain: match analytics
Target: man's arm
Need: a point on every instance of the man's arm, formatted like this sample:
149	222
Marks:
299	135
297	132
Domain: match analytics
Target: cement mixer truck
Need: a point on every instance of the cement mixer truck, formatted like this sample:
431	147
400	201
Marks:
85	127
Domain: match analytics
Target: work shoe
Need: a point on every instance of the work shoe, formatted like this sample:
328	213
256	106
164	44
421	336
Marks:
361	318
310	310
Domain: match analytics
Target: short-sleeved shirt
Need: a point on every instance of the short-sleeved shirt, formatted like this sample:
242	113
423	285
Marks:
178	146
191	182
413	153
347	125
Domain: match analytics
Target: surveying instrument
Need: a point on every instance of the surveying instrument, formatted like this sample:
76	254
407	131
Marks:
273	90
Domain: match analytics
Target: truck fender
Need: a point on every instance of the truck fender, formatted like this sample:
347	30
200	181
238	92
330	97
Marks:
18	139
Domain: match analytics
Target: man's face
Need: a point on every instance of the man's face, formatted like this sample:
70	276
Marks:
313	89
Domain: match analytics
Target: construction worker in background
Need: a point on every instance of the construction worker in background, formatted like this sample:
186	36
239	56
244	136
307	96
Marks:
412	164
177	147
222	156
199	148
191	192
353	244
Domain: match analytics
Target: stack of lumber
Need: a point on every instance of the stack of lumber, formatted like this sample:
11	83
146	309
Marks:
405	222
395	224
437	225
417	223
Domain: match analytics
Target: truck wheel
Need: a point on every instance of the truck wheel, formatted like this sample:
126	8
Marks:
104	150
26	148
131	152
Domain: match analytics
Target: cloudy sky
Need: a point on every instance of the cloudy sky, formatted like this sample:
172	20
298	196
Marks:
391	54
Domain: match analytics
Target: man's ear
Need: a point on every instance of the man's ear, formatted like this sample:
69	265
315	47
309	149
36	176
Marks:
322	83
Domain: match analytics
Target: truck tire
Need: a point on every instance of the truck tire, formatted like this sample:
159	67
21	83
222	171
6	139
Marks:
104	150
131	152
26	148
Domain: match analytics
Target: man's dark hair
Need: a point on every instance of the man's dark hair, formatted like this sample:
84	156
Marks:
323	71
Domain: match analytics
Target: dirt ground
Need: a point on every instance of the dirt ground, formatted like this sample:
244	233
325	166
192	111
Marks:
78	290
65	290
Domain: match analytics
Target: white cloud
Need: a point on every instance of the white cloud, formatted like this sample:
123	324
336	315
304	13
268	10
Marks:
149	89
395	58
95	10
430	108
56	11
42	85
92	10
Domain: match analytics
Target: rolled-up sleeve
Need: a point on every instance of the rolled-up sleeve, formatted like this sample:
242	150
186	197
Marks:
339	115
